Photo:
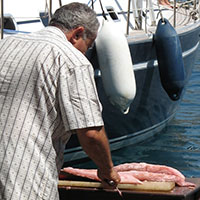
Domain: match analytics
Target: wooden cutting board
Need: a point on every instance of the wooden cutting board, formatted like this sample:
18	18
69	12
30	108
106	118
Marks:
147	186
88	193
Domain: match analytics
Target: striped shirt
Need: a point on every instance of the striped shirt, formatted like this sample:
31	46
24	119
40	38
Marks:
47	90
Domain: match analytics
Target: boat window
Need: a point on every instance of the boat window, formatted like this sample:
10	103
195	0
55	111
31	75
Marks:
112	13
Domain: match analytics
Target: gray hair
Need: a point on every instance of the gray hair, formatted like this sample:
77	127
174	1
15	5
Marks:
73	15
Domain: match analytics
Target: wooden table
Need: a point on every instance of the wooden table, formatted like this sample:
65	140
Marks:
178	193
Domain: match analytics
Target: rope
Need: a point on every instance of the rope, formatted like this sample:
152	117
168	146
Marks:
184	5
160	11
183	10
93	4
103	13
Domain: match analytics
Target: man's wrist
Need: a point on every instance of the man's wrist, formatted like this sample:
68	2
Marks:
107	168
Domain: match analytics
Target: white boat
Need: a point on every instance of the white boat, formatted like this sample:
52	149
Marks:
154	96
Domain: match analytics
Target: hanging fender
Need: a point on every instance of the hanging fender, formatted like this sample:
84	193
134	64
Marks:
116	66
170	60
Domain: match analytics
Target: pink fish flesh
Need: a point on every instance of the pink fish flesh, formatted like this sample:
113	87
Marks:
135	173
149	168
92	174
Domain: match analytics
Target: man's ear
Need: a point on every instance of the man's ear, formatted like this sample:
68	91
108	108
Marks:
76	34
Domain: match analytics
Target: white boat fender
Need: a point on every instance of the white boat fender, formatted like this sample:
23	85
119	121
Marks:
170	60
116	66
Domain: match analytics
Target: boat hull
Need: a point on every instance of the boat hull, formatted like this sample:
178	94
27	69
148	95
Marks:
151	109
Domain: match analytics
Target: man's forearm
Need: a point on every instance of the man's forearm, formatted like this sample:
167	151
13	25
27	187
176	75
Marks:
95	143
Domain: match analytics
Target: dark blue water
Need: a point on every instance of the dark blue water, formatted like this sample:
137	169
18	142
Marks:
178	145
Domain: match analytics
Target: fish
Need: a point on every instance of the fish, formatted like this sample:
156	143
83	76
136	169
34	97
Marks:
149	168
92	174
136	173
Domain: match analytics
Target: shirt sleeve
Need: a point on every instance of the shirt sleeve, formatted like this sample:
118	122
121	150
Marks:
79	102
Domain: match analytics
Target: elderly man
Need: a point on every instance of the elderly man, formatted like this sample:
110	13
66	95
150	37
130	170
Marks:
47	92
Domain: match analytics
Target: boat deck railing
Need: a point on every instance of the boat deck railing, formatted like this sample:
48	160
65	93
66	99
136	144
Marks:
181	13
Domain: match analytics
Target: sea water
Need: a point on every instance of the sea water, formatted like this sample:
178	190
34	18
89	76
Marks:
178	145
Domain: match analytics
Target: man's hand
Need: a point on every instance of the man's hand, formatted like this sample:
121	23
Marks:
109	177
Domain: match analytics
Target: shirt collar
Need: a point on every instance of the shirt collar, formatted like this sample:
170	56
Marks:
56	31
